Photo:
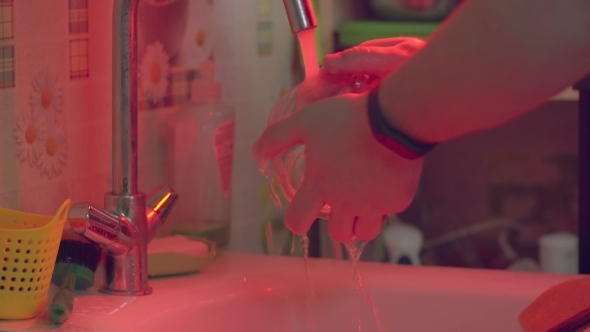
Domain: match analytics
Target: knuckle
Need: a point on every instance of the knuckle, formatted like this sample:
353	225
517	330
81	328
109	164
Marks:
412	45
355	51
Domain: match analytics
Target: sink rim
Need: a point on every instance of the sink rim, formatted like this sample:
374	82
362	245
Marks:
214	284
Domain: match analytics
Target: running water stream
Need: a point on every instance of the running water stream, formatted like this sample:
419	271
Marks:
310	62
354	251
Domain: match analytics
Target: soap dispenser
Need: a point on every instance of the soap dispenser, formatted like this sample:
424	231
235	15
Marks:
203	156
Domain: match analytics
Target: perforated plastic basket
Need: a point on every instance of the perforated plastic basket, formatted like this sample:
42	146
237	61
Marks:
28	248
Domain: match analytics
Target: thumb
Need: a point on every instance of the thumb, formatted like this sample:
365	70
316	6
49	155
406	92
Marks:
278	137
389	42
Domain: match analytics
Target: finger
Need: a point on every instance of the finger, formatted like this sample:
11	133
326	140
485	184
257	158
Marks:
340	225
363	60
278	137
368	227
370	58
359	59
304	209
410	44
388	42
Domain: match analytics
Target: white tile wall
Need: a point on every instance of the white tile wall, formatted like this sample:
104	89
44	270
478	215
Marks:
251	83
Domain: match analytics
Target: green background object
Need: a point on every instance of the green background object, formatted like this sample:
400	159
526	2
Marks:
318	35
84	276
353	33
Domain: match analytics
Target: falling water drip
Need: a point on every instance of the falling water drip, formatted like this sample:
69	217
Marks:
310	294
268	233
293	245
355	250
305	247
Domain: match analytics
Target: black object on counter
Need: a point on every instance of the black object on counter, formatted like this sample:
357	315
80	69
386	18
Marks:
584	175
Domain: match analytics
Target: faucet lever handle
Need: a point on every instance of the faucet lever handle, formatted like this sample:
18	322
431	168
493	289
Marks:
159	205
111	232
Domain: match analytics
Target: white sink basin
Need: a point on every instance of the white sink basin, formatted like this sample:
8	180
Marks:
263	293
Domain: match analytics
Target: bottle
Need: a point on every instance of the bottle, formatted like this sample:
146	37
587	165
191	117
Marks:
203	156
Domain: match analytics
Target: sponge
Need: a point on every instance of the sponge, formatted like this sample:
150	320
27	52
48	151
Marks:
562	308
178	254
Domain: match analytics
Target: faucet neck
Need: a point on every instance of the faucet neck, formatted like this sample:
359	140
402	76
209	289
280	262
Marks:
125	101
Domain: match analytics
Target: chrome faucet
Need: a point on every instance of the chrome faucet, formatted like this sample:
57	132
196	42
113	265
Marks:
300	14
128	223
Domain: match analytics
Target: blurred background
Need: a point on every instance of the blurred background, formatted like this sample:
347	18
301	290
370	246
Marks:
484	202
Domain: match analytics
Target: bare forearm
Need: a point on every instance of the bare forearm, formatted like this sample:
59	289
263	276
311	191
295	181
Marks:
492	62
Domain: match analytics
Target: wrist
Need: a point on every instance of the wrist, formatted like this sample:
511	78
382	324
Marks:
389	134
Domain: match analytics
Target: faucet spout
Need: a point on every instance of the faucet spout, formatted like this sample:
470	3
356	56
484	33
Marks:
300	14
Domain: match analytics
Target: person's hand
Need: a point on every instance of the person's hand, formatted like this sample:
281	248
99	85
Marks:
346	168
377	57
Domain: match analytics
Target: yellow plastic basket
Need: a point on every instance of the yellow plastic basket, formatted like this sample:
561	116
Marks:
28	248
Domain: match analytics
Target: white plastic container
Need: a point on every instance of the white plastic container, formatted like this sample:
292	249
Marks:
558	253
203	157
403	242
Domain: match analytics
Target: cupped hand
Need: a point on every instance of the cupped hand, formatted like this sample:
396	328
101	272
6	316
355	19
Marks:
346	168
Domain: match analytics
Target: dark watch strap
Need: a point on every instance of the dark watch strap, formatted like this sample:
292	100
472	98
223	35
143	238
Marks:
392	138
